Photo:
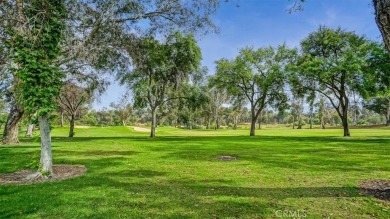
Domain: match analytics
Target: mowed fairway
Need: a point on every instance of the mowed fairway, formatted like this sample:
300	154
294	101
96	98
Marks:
177	175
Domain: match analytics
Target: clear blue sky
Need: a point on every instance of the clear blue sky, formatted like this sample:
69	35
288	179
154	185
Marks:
261	23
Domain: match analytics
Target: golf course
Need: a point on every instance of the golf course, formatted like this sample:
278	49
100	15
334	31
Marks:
180	174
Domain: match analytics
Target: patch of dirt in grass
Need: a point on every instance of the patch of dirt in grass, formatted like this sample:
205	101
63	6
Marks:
378	188
60	172
226	158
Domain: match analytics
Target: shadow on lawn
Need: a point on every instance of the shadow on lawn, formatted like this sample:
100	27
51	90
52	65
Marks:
112	188
377	139
106	196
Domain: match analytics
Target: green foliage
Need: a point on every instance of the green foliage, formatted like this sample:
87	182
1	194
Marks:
257	75
379	105
332	63
332	59
161	69
35	49
376	75
34	161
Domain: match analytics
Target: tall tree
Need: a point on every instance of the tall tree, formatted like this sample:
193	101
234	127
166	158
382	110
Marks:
321	112
160	69
70	99
374	87
217	97
11	16
124	109
36	47
334	60
94	35
379	105
258	75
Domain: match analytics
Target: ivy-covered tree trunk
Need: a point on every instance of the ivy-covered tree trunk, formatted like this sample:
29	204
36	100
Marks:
71	126
46	154
36	46
11	129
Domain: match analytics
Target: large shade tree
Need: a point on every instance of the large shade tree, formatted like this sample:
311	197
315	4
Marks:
35	47
257	75
94	35
374	87
160	69
333	60
87	26
71	98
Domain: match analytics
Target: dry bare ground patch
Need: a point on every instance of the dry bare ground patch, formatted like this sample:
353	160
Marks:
60	172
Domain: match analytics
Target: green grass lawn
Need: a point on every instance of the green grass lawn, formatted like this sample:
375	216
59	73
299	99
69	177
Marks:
177	175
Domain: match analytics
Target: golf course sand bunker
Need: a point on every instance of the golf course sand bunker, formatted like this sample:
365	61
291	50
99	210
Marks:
377	188
140	129
60	172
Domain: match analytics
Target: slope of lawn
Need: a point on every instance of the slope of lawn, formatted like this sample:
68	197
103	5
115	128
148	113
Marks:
177	175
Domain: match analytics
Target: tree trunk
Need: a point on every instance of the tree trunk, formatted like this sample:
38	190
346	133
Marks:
154	123
346	128
388	113
311	114
30	130
293	122
322	123
123	122
260	118
344	121
208	123
46	155
71	127
62	118
235	122
253	122
253	127
216	119
299	121
382	18
11	129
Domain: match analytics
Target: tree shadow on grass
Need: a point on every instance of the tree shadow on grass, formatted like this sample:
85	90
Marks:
103	196
94	153
377	139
